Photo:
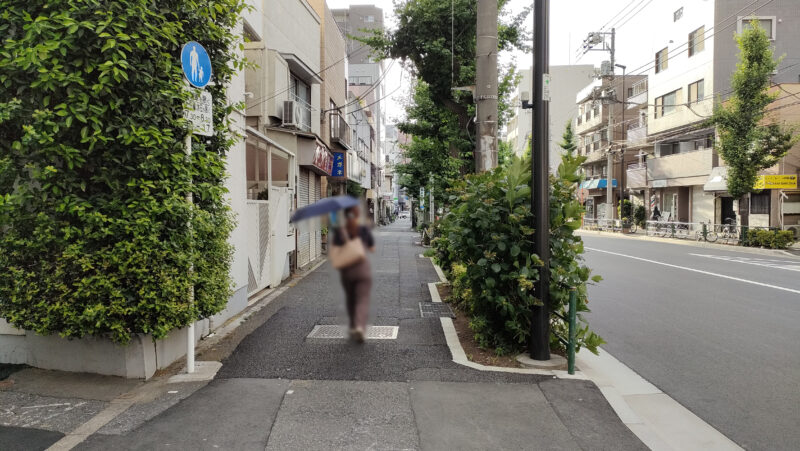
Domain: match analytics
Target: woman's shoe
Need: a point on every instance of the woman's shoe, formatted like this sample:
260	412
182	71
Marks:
358	335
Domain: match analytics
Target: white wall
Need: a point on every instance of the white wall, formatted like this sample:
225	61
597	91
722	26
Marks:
682	70
702	205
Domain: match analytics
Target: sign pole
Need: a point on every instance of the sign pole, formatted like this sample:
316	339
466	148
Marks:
190	330
196	66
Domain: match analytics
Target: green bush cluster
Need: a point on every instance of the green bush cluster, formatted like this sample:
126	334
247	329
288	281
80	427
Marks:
640	216
486	247
770	239
96	237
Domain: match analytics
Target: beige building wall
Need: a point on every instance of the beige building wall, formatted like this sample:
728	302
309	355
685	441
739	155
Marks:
333	64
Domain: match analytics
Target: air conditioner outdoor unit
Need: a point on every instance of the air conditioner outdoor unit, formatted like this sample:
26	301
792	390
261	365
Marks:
289	108
795	229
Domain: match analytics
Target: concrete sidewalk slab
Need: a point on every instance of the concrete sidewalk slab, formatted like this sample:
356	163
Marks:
225	414
63	384
585	412
480	416
324	415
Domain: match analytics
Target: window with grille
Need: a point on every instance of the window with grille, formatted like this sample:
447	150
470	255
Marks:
697	41
759	203
662	58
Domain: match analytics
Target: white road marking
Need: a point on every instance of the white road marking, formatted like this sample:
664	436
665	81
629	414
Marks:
708	273
777	264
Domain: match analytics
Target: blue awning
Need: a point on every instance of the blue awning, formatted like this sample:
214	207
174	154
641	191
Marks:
597	183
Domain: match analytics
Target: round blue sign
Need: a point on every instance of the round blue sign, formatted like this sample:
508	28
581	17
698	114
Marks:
196	64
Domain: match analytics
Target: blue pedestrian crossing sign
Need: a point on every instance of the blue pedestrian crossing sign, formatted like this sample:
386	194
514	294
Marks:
196	64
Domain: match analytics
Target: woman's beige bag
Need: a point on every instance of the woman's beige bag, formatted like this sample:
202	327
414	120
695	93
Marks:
349	254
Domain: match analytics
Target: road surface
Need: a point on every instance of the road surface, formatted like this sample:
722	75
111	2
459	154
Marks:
716	329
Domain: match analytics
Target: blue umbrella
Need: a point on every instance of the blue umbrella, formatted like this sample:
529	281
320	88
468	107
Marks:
324	206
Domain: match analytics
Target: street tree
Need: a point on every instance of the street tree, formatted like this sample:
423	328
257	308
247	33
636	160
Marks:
440	116
746	143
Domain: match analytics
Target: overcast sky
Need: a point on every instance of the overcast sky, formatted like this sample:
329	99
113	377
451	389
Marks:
570	22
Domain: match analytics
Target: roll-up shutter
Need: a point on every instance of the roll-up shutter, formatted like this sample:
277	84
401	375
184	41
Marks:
303	236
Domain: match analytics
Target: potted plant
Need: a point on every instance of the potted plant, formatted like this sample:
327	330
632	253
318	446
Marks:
324	240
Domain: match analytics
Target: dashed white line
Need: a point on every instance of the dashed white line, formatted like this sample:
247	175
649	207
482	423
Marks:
708	273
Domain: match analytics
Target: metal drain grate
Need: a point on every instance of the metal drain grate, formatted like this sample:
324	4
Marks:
341	332
435	310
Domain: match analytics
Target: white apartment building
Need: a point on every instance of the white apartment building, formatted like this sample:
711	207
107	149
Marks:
565	82
694	56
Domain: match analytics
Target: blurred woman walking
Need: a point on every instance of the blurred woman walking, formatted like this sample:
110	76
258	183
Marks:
348	255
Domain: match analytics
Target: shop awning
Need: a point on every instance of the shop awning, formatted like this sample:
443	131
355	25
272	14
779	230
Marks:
598	184
718	180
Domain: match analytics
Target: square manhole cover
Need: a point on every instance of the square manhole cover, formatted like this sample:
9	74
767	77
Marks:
435	310
341	332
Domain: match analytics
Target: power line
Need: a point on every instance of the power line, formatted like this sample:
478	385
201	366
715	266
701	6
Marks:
617	14
651	64
634	15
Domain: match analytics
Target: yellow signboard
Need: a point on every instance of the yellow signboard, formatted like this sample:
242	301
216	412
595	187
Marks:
776	182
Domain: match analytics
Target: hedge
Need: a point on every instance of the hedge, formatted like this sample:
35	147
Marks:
770	239
95	229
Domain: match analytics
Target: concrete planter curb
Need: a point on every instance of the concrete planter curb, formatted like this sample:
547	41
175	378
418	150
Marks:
457	351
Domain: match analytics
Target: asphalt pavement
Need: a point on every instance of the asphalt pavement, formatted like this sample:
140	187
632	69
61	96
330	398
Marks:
716	329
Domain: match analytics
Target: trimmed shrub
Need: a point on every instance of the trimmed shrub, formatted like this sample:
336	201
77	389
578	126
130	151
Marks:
96	237
486	246
770	239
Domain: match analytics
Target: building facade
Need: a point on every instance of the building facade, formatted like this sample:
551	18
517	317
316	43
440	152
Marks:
565	81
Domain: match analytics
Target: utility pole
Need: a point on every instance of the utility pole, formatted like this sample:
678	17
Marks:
540	190
607	70
486	86
622	168
610	170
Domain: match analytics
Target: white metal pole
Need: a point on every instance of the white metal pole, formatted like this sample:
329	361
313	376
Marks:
190	329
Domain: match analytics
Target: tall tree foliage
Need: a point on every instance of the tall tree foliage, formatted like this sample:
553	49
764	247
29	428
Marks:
746	145
96	237
441	116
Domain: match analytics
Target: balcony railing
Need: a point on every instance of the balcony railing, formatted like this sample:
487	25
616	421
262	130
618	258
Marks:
637	135
340	130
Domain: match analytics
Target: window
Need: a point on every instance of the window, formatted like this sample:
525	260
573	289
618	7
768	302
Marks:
697	41
669	149
361	80
630	92
667	103
640	87
759	203
706	142
696	92
661	59
676	16
369	19
767	23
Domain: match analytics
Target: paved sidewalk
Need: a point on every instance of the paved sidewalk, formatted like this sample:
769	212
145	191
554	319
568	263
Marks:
279	390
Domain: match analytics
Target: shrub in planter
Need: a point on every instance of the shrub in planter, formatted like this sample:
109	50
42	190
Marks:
640	215
96	237
486	246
